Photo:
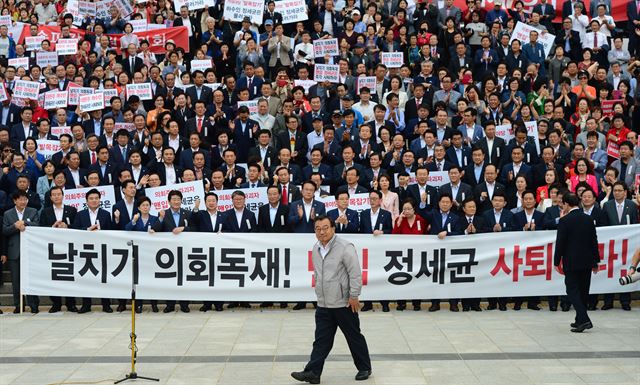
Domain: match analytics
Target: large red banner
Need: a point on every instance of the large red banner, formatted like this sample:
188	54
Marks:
157	38
619	7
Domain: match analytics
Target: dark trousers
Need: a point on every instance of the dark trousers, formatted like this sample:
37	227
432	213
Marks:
452	302
553	301
172	304
86	303
625	298
578	283
502	301
327	323
31	300
470	302
69	302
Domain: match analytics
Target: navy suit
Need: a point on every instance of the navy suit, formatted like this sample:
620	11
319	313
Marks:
506	219
384	222
353	221
453	225
16	134
324	170
202	221
244	139
256	86
248	222
124	214
280	224
413	191
302	225
139	226
452	157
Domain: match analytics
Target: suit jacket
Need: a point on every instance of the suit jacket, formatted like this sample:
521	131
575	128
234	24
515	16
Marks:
525	170
413	191
126	65
551	218
452	225
633	168
464	191
452	157
506	219
293	192
12	234
484	204
201	221
575	45
325	171
567	8
231	181
186	158
353	221
632	14
334	154
109	175
256	86
206	95
247	184
281	221
302	225
576	243
167	224
454	64
301	145
162	173
433	166
116	155
195	26
547	16
629	212
598	216
295	173
82	220
454	11
140	226
16	134
124	214
285	47
48	216
207	132
344	188
82	175
520	220
383	222
269	158
13	115
478	221
248	223
244	139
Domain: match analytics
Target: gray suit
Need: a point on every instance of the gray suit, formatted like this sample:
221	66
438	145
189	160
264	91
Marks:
285	47
12	235
630	176
629	212
275	105
454	11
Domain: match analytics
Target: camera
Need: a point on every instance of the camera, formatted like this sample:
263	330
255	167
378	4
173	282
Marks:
629	279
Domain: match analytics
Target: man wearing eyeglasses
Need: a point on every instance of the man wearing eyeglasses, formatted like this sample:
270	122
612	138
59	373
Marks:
338	284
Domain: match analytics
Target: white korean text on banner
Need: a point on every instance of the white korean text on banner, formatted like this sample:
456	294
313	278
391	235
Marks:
275	267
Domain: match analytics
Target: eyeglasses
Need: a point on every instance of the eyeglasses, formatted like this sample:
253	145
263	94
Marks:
322	229
7	150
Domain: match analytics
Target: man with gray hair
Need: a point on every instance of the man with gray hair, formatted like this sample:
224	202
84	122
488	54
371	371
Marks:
338	283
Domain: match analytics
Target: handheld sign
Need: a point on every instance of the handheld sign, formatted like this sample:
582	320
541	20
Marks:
92	102
55	99
143	90
67	47
392	59
326	72
323	47
26	89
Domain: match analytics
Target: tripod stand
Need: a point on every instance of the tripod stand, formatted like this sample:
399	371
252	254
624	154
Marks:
133	375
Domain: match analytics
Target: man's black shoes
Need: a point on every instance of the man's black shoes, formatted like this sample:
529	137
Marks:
363	375
582	327
306	376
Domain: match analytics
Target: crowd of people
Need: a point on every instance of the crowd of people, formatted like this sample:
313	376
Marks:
511	127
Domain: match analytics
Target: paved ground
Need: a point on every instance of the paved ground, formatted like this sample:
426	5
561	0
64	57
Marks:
263	347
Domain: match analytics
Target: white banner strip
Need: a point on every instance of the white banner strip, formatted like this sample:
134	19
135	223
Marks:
275	267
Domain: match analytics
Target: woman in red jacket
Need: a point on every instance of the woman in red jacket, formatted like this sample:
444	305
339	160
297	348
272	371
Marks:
408	222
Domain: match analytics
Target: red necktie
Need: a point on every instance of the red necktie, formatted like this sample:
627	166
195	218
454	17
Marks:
199	125
285	195
93	157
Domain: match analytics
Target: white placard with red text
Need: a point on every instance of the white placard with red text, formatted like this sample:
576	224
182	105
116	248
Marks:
254	198
190	192
142	90
77	197
67	47
26	89
33	43
19	62
366	81
322	47
200	65
55	99
292	10
91	102
45	59
392	59
326	73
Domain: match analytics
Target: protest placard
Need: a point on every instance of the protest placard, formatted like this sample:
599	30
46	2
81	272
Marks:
254	198
200	65
19	62
127	126
45	59
357	202
322	47
91	102
190	192
75	91
77	197
392	59
86	8
306	84
236	10
292	10
251	104
102	9
613	150
143	90
108	93
607	106
66	47
3	93
366	81
59	130
26	89
124	6
55	99
504	131
5	20
522	32
326	72
33	43
139	25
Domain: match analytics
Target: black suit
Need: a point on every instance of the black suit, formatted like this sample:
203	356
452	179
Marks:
577	250
137	65
281	222
206	95
247	224
484	204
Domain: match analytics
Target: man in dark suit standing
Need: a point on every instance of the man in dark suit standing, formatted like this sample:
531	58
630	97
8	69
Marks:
93	218
244	130
175	219
14	222
471	223
375	221
547	14
274	216
132	63
208	221
60	216
346	219
577	250
498	219
23	129
198	92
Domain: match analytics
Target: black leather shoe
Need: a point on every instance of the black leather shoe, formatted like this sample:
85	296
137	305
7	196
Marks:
476	308
185	309
121	308
169	309
401	307
154	308
626	307
582	327
454	308
565	308
533	307
16	310
306	376
367	307
138	309
205	308
107	309
72	309
299	306
55	309
363	375
465	308
219	308
491	307
34	310
553	308
84	310
574	325
606	307
433	308
417	307
385	308
232	305
517	307
502	307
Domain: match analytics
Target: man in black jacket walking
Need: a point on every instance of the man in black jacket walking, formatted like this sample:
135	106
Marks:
579	258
